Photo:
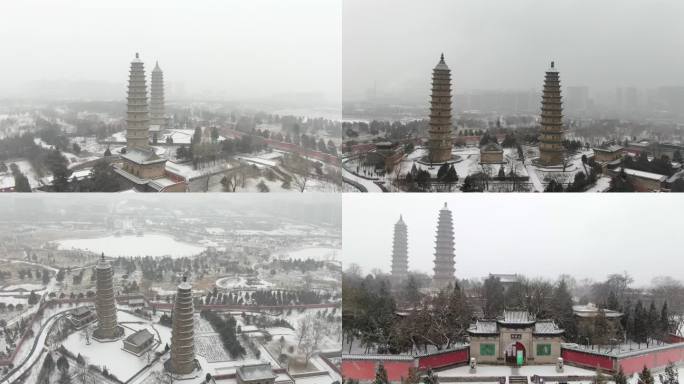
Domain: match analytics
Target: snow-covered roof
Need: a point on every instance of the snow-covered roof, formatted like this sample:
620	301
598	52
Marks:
516	317
547	327
140	337
142	156
552	67
506	277
486	327
610	148
156	67
161	183
137	58
256	372
643	174
591	310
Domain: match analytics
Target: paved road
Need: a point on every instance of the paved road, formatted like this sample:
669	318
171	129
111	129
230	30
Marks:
37	348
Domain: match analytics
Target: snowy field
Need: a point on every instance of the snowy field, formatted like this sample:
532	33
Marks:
240	282
120	363
155	245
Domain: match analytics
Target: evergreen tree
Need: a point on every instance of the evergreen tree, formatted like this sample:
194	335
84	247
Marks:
430	377
671	374
561	308
381	375
600	377
619	377
645	377
493	296
664	320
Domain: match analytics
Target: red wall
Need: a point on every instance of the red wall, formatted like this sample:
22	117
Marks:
586	359
439	360
365	369
653	359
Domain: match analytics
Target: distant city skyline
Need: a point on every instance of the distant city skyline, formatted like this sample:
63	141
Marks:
216	50
495	44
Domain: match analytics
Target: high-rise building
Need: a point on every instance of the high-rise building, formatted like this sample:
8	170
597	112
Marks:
157	119
105	305
444	250
182	359
137	115
551	137
440	140
399	252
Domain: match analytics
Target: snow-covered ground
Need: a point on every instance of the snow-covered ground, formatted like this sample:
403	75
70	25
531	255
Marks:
315	253
145	245
240	282
109	354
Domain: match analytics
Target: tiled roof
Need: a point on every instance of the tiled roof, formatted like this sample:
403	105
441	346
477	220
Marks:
484	327
516	317
547	327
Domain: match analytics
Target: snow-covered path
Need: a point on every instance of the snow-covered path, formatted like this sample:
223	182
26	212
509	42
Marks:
37	349
534	178
368	184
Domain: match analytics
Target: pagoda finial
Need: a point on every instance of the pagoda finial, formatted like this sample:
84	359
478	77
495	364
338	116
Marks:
441	58
553	63
137	55
445	204
102	256
185	278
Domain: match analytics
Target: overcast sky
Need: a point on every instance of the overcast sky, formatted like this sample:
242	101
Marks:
233	49
502	44
535	235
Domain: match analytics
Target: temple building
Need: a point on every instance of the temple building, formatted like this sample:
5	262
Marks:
139	342
105	305
399	253
491	153
82	316
141	167
551	133
444	250
515	338
260	373
182	359
157	118
440	140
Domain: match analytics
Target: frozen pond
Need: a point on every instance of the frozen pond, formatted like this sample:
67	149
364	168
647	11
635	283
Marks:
315	253
155	245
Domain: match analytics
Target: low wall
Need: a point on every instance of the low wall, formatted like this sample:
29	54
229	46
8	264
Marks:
631	362
363	367
654	358
588	359
460	355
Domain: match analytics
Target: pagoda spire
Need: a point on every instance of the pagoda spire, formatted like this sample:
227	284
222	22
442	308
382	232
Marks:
399	253
137	114
440	141
444	250
551	132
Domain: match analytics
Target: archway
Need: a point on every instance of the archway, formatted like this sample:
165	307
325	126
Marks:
512	351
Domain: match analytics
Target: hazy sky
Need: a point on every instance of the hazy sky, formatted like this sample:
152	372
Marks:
502	44
536	235
233	49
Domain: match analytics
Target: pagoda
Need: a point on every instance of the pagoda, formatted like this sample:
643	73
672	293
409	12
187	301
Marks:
551	135
137	116
182	359
440	141
400	252
157	119
105	305
444	250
